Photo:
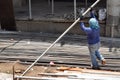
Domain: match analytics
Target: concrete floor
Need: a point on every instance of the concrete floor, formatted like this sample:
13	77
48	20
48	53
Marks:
75	51
28	46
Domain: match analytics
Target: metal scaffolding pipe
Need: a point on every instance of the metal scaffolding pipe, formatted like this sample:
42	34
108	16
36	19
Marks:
48	2
52	6
30	10
86	3
58	39
75	17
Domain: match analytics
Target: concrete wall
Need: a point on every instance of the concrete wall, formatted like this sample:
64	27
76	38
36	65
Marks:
19	3
113	18
52	27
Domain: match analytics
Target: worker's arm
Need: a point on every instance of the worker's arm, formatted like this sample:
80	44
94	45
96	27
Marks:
92	15
85	29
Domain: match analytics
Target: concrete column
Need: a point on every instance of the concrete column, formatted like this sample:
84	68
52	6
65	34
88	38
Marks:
7	18
113	18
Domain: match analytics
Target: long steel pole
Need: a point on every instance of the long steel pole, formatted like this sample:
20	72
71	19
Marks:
58	38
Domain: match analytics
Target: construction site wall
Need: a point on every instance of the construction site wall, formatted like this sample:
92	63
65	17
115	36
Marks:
63	9
52	27
43	20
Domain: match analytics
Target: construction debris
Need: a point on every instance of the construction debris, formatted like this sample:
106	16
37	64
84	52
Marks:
63	73
69	73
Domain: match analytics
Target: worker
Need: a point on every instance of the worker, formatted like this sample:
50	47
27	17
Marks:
93	36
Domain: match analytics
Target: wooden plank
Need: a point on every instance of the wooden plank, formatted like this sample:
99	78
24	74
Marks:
57	74
43	78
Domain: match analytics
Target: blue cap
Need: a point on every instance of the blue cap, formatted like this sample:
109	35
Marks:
93	23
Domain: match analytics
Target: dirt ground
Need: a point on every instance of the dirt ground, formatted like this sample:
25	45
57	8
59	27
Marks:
42	71
19	69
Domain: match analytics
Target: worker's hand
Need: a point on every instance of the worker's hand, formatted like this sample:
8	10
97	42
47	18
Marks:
92	13
91	9
81	18
81	23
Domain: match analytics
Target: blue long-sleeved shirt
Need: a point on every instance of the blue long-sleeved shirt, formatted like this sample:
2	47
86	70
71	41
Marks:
93	34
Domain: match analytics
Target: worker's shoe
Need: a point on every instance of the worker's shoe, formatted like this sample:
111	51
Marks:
96	68
103	62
